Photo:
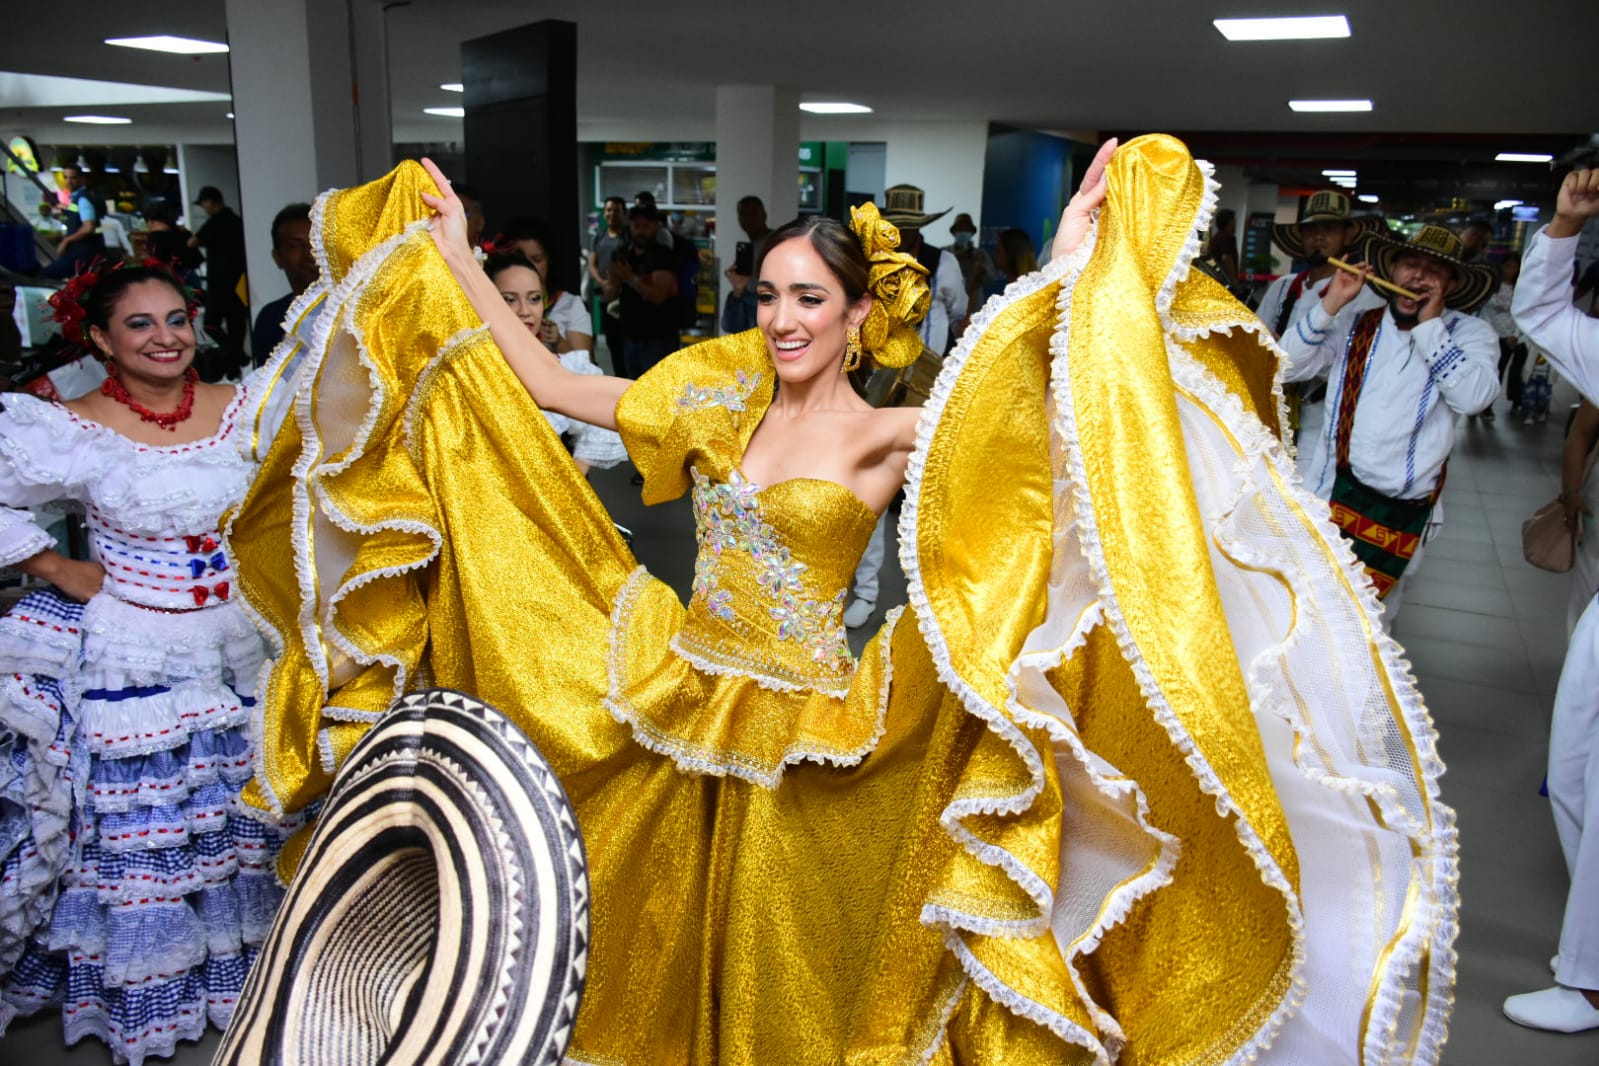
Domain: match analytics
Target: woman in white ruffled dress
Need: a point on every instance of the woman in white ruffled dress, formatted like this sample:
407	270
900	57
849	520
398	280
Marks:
133	893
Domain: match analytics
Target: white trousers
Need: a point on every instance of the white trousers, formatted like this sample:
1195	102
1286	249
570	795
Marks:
1574	796
870	567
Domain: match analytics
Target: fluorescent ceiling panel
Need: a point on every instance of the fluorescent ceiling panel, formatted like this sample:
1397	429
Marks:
835	108
1312	27
182	46
46	90
1330	105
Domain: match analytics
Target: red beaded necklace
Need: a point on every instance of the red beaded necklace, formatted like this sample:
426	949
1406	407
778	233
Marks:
113	387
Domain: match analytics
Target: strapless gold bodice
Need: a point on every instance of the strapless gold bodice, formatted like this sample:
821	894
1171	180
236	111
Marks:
756	672
773	570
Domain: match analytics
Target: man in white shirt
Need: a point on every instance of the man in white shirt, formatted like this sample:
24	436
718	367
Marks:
1543	308
1325	230
1397	377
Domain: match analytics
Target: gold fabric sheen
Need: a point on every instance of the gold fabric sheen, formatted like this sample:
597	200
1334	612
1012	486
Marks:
901	295
777	877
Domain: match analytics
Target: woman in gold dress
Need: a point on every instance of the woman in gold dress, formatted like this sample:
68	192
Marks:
1137	777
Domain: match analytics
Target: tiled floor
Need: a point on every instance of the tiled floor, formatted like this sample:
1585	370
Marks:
1486	635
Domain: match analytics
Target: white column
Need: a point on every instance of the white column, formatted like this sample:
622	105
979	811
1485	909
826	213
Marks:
311	111
757	154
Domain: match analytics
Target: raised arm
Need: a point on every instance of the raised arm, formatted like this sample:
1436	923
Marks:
1542	302
587	398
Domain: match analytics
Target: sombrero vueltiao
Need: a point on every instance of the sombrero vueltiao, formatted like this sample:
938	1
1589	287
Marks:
1476	279
1325	206
441	912
902	205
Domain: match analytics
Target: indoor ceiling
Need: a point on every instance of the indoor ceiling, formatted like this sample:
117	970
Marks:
1443	77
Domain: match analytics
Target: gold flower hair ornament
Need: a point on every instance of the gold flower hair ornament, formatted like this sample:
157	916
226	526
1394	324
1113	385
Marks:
900	293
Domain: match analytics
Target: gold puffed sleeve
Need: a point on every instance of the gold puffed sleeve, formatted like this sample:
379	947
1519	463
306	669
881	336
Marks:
700	405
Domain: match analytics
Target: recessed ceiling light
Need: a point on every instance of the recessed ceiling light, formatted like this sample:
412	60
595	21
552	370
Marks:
1330	105
1522	157
230	114
453	87
446	112
1369	198
838	108
1502	204
1312	27
183	46
1338	173
98	120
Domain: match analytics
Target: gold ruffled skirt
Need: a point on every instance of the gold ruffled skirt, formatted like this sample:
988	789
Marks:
1152	785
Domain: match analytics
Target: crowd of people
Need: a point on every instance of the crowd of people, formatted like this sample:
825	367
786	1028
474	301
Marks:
1054	766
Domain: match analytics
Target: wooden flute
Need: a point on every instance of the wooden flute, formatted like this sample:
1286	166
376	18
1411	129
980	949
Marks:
1374	279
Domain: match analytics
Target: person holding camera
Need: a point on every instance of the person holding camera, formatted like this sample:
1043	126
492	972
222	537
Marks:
738	309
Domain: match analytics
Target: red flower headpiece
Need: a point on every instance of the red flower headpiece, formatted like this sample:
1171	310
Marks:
67	305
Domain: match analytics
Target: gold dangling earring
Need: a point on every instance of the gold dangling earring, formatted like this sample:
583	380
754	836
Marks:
852	351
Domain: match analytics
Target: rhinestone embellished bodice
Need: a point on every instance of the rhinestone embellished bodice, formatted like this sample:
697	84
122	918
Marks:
771	576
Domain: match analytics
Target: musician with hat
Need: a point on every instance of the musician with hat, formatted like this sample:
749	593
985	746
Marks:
1325	230
1397	376
903	207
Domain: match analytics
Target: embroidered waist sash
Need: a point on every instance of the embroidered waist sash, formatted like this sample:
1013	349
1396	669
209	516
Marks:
1384	532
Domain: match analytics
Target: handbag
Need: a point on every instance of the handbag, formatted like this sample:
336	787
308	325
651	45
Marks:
1546	542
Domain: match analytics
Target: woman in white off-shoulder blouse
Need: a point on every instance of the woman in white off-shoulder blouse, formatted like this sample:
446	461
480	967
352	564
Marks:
133	891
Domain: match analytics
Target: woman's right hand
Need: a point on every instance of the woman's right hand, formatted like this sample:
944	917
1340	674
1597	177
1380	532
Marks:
76	580
449	215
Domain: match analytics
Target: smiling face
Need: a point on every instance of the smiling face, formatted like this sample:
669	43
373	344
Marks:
804	312
148	334
615	214
523	293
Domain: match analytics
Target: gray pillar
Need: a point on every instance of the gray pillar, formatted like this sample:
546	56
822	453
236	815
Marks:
521	124
311	107
757	154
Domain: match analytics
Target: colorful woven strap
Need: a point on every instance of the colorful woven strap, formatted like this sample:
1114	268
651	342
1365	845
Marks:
1356	359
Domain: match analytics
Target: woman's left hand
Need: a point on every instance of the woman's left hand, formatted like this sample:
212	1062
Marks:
449	214
1078	216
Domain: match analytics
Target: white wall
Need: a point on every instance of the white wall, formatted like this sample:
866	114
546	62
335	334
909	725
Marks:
944	159
757	153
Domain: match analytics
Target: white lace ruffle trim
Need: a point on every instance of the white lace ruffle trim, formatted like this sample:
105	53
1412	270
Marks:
693	758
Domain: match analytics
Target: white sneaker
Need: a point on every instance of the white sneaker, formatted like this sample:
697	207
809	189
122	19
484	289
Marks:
1558	1009
858	611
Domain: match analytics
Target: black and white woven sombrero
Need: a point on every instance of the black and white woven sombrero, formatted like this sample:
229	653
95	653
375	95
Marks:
441	912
